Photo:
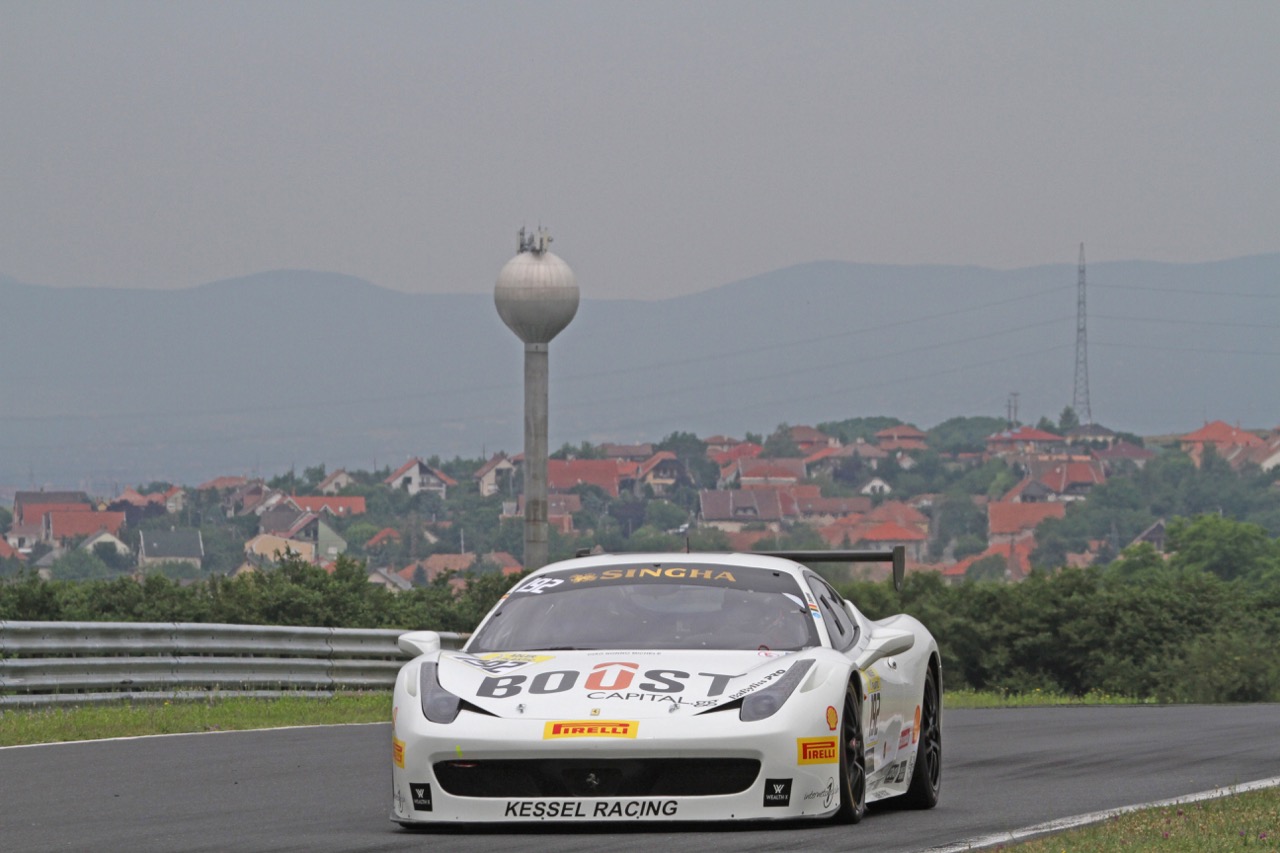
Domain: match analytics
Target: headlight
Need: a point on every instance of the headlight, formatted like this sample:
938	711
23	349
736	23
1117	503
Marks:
765	703
438	704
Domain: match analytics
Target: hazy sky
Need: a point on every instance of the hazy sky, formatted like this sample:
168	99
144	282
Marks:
669	147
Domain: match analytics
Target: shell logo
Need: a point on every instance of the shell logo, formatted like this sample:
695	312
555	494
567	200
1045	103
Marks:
833	719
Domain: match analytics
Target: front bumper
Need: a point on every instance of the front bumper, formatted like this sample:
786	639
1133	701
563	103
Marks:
792	759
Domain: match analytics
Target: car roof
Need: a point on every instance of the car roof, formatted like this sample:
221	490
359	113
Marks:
719	558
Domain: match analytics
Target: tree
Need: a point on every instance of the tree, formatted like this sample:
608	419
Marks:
113	559
964	435
780	445
78	564
1046	425
313	477
1229	549
1068	420
650	538
991	568
664	516
851	430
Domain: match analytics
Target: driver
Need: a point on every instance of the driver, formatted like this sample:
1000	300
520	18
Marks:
775	620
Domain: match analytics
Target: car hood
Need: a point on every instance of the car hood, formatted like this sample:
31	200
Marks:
604	684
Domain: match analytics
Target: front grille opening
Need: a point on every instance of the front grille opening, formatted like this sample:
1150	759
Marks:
585	777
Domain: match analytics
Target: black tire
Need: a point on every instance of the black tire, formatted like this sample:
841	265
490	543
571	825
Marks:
853	760
926	779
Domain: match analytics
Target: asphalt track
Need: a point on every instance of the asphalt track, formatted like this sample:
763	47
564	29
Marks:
328	789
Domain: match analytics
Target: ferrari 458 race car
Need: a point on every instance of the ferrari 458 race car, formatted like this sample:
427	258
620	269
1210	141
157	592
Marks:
669	687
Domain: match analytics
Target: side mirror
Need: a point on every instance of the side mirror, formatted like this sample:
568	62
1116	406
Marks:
417	643
884	643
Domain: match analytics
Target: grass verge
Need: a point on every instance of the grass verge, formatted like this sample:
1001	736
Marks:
1247	821
954	699
89	722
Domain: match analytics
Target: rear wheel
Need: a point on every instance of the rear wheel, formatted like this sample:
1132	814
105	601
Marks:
926	779
853	760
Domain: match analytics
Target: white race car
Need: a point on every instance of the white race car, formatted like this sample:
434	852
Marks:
669	687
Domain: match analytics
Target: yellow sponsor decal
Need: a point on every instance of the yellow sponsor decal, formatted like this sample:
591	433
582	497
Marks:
397	751
590	728
672	572
817	750
832	717
522	657
873	682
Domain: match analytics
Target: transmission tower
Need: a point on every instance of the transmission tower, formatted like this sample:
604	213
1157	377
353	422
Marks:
1080	398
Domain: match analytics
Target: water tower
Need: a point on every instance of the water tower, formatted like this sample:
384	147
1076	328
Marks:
536	296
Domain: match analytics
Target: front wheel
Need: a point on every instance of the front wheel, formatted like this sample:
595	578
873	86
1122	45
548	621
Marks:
926	779
853	760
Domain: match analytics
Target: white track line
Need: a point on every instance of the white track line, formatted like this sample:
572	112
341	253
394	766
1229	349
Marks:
984	841
189	734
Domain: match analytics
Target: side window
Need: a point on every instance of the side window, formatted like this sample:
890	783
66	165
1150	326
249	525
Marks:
841	628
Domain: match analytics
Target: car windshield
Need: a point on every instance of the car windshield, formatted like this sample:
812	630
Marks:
639	606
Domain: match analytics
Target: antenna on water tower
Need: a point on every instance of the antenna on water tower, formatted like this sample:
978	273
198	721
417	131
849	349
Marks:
1080	397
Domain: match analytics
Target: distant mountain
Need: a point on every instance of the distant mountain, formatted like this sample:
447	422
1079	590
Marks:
106	387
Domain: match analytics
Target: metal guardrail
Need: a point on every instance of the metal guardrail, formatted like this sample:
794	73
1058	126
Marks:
56	663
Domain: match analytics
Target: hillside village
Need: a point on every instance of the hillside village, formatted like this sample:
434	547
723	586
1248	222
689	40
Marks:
967	500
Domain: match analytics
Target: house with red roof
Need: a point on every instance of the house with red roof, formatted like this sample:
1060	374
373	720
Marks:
560	509
613	476
30	507
223	484
1071	481
1016	557
627	452
417	476
335	482
904	438
1121	452
1023	441
815	509
887	534
720	443
661	472
741	450
843	532
763	472
33	523
748	540
61	526
900	513
345	507
8	552
1227	441
1017	522
137	506
495	476
731	510
385	537
809	440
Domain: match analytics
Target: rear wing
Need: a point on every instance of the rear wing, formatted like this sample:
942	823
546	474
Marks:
897	555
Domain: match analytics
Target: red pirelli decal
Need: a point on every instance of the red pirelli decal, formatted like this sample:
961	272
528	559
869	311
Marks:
590	728
817	750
